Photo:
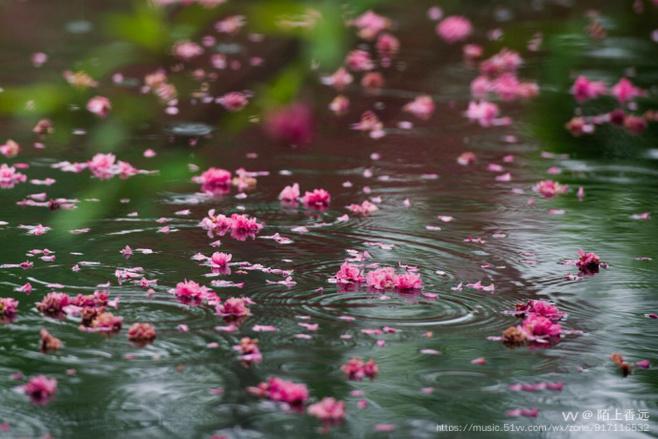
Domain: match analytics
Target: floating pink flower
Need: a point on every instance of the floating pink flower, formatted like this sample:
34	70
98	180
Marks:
186	50
387	46
381	278
408	282
624	91
328	410
357	369
422	107
234	307
359	61
370	24
9	177
40	389
539	326
317	199
214	181
249	350
340	79
583	89
102	166
8	308
485	113
99	105
550	188
454	28
290	194
220	261
10	149
466	158
142	333
234	101
505	61
349	274
53	304
279	390
191	292
107	323
230	25
588	262
364	209
48	342
540	308
243	226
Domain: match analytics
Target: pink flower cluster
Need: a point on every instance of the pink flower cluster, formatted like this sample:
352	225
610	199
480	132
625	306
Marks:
142	333
280	390
363	209
588	262
8	308
40	389
234	307
9	177
540	324
454	28
499	77
106	166
317	199
99	105
192	293
328	410
214	181
384	278
240	226
248	350
53	304
422	107
550	188
357	369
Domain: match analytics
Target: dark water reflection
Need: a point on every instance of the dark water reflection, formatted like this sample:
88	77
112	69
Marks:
166	389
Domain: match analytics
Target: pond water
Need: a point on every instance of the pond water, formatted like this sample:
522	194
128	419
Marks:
457	224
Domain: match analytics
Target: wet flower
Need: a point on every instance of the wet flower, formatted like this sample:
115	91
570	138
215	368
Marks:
357	369
290	194
454	28
340	79
279	390
370	24
214	181
48	342
234	101
550	188
422	107
408	281
372	81
466	158
588	262
43	127
248	350
349	273
8	308
10	149
624	91
387	45
142	333
381	278
514	335
230	25
328	410
220	261
364	209
99	105
40	389
53	304
505	61
9	177
635	124
339	105
583	89
186	50
190	292
540	308
539	326
359	61
234	307
317	199
107	322
482	112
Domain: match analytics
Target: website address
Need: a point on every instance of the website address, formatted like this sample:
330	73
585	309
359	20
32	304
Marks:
540	428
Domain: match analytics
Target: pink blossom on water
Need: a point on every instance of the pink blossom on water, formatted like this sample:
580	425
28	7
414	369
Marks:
214	181
349	274
317	199
10	149
408	282
422	107
357	369
583	89
142	333
588	262
328	410
550	188
290	194
370	24
219	260
53	303
9	177
40	389
187	50
454	28
483	112
340	79
539	326
359	61
234	307
99	105
8	308
191	292
624	91
540	308
249	350
280	390
381	278
364	209
233	101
